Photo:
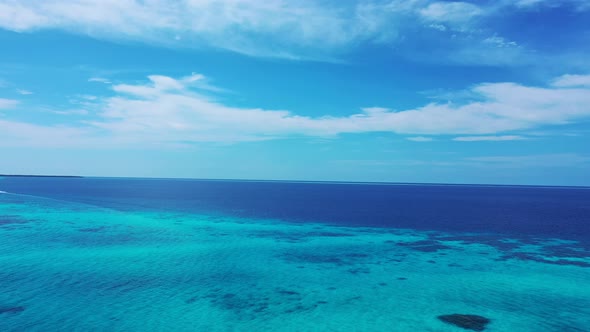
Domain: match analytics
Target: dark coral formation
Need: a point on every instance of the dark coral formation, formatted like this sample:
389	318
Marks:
566	251
11	220
497	241
337	256
327	234
258	303
468	322
425	245
11	310
537	258
359	270
318	258
191	300
92	229
294	236
534	249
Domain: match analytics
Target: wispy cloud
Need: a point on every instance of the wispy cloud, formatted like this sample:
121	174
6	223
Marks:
478	48
530	161
489	138
7	103
580	5
243	26
72	112
420	139
450	12
167	109
572	81
20	134
298	29
99	80
169	104
534	161
24	92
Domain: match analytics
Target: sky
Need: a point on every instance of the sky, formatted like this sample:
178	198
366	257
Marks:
488	92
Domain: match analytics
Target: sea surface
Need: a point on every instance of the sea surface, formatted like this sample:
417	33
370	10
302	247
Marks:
105	254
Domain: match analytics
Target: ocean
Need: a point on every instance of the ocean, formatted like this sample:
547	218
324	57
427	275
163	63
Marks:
122	254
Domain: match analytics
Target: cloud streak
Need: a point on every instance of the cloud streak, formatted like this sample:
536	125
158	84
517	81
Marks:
99	80
235	25
170	105
489	138
21	134
420	139
572	81
297	29
8	103
533	161
24	92
168	110
450	12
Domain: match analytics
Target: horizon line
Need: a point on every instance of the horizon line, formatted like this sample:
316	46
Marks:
302	181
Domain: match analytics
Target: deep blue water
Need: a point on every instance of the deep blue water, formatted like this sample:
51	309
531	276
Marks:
561	212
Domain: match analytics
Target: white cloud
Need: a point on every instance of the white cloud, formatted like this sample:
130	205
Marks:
20	134
7	103
533	161
24	92
169	106
99	80
528	3
420	139
580	5
450	12
572	81
489	138
292	29
236	25
530	162
167	110
439	27
489	50
72	112
501	42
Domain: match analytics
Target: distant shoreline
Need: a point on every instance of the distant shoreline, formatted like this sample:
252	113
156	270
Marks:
38	176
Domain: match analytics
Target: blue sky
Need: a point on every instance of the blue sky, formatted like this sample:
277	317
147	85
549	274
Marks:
373	90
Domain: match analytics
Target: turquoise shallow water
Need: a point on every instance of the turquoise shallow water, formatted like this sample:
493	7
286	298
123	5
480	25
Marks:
75	267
